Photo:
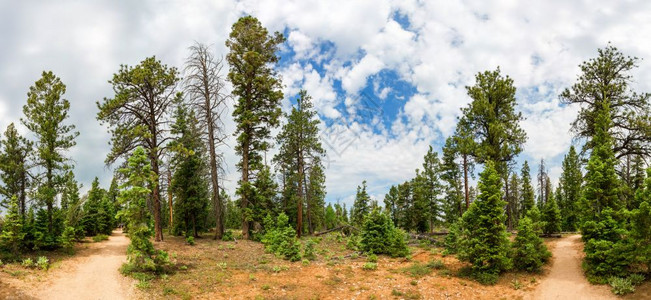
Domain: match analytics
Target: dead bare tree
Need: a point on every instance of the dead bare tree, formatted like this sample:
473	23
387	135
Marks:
204	87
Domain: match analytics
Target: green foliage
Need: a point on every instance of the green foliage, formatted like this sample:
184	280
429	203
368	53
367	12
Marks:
141	255
14	153
641	225
529	251
12	235
369	266
526	190
100	237
330	217
492	121
309	252
570	184
67	238
452	238
228	236
257	89
28	263
43	263
621	286
45	114
299	157
552	217
97	217
608	250
190	240
483	239
606	80
189	184
379	236
353	242
280	238
636	279
371	258
361	206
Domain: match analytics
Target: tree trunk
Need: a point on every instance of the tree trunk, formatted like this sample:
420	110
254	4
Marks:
465	180
243	194
158	228
299	201
509	205
169	196
216	197
308	199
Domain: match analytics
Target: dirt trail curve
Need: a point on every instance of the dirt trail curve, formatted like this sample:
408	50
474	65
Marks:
566	279
95	276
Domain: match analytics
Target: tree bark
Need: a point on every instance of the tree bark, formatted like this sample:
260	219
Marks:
465	180
243	194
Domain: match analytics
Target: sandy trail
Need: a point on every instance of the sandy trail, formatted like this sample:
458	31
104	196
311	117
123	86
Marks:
95	275
566	279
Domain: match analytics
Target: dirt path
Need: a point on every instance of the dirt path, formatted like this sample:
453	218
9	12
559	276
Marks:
566	280
93	276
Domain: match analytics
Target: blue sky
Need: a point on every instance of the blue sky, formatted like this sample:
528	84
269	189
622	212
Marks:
387	77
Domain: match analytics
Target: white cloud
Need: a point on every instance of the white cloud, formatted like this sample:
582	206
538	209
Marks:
444	44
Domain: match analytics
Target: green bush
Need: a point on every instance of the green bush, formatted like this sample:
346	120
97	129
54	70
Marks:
228	236
636	279
352	243
436	264
67	238
100	237
308	252
369	266
190	240
43	263
451	239
621	286
280	238
529	251
27	263
371	258
379	236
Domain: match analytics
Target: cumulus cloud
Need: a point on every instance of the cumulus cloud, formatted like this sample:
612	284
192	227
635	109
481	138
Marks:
339	47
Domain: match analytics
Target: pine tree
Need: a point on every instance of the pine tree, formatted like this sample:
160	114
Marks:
316	193
45	114
330	217
137	116
188	182
551	215
607	247
93	215
432	188
264	196
570	184
12	235
483	238
514	199
492	121
606	80
529	251
72	206
14	168
361	207
301	151
527	192
390	203
257	89
140	179
641	224
453	206
418	211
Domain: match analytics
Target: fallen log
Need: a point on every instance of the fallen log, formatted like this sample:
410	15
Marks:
336	229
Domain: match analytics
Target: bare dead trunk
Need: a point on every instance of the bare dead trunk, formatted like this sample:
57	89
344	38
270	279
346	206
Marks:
216	197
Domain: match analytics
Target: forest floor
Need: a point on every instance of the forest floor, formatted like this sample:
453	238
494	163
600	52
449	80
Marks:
92	273
242	270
